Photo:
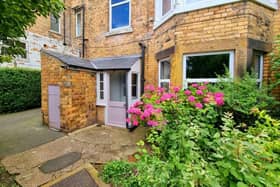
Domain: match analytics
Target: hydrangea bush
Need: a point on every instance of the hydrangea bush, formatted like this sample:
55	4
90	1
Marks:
194	143
157	101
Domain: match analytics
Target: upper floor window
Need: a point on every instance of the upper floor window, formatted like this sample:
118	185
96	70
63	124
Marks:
78	23
166	6
55	24
120	14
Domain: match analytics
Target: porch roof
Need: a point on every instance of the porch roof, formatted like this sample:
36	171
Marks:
98	64
115	63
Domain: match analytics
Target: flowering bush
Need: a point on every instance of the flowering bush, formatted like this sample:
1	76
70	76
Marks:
156	102
190	150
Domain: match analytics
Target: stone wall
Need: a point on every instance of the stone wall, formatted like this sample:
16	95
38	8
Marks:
77	94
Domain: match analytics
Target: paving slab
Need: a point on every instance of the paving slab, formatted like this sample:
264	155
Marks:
97	144
60	162
22	131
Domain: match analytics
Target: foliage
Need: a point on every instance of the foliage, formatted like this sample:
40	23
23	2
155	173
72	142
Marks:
16	16
20	89
275	61
156	103
190	150
118	172
6	180
242	95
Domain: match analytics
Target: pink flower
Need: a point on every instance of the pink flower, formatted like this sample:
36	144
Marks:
160	90
176	89
191	98
137	103
128	120
133	110
150	88
188	92
198	105
199	92
157	101
206	100
147	106
152	123
202	87
205	83
167	96
194	85
219	101
219	94
135	123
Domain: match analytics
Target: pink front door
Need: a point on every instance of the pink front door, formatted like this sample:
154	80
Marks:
54	107
117	102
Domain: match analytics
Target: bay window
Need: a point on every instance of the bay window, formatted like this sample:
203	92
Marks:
207	67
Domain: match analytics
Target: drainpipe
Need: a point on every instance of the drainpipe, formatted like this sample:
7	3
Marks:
143	53
64	25
83	34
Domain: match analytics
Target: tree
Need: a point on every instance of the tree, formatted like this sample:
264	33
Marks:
16	16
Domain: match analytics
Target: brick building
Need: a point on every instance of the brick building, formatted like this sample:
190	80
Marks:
124	44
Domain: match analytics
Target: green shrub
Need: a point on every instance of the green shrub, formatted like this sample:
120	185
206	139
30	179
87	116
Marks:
190	150
242	95
20	89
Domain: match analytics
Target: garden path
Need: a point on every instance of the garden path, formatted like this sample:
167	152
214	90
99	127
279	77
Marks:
97	145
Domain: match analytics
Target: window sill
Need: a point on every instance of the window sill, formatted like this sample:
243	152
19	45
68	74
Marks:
119	31
55	32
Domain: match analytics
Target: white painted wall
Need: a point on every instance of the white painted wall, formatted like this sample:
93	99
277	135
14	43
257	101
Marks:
34	43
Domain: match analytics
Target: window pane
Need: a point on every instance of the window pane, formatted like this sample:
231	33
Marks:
165	70
134	78
101	77
256	66
78	26
101	86
116	1
165	85
166	6
207	66
54	24
24	53
118	86
120	16
101	95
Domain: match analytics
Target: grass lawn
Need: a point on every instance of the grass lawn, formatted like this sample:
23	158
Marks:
6	180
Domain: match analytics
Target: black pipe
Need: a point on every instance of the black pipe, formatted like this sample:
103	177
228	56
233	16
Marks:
83	37
143	53
64	25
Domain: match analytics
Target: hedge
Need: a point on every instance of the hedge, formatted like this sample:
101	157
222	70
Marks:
20	89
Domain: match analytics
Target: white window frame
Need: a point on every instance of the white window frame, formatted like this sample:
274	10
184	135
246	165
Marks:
213	80
261	55
81	22
137	85
110	15
169	11
159	72
59	29
100	101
